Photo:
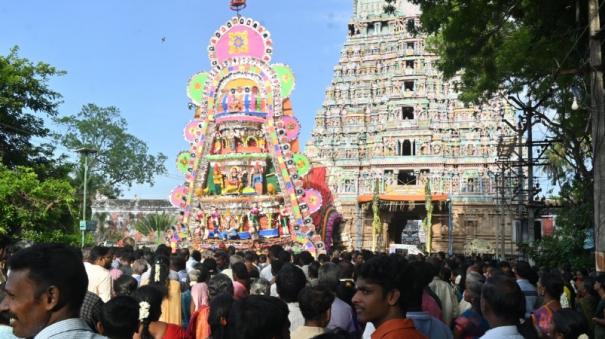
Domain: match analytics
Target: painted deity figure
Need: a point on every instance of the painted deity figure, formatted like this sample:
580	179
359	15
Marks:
233	184
247	99
215	217
225	100
217	181
231	101
239	99
257	180
217	146
261	143
283	222
255	218
254	99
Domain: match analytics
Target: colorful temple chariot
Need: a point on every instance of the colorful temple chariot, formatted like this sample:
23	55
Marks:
408	163
243	171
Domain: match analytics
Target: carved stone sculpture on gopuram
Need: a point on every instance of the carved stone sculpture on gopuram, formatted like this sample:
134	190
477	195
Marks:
390	119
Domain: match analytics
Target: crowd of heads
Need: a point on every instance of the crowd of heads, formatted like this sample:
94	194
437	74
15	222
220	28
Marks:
250	295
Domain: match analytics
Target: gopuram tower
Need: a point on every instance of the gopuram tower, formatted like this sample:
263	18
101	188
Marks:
407	161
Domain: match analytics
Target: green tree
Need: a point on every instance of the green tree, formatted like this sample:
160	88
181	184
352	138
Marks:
121	159
531	53
534	54
33	209
25	99
155	223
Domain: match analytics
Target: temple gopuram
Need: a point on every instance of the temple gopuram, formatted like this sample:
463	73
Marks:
244	173
407	162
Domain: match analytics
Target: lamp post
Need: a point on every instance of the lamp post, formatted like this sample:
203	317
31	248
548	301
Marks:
85	152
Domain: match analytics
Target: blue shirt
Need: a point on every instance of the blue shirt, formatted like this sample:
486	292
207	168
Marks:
531	295
430	326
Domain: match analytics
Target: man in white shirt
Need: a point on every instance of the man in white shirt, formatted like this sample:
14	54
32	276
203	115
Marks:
502	305
274	251
44	292
342	313
194	258
97	270
445	293
290	281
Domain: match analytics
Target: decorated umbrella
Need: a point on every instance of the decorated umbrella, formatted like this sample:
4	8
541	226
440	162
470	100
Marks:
313	199
192	130
286	79
196	87
291	126
183	162
178	196
303	165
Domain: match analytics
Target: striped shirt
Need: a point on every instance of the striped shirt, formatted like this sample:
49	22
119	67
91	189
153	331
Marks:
73	328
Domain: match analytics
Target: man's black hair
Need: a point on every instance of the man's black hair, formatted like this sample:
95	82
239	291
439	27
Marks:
125	285
258	317
210	264
289	282
163	250
347	269
329	276
250	256
313	269
523	269
553	284
505	298
390	273
54	265
276	266
177	262
285	256
219	310
314	302
274	250
98	252
346	256
306	257
196	255
240	271
322	258
120	317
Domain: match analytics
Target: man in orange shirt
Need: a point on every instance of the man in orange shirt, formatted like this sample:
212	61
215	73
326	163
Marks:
383	287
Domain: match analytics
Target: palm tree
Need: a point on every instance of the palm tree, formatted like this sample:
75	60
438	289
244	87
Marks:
157	223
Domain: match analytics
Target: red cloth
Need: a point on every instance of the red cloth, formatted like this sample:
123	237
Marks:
239	290
430	306
175	332
316	179
198	324
397	329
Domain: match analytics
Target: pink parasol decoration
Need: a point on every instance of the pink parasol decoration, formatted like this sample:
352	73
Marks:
313	199
178	196
192	130
291	126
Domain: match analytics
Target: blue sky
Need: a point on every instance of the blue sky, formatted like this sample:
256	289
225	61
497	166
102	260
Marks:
113	53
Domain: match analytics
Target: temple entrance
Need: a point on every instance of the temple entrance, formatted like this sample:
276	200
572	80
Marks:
403	228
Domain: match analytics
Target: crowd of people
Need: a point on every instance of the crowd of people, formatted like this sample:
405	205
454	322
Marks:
56	291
